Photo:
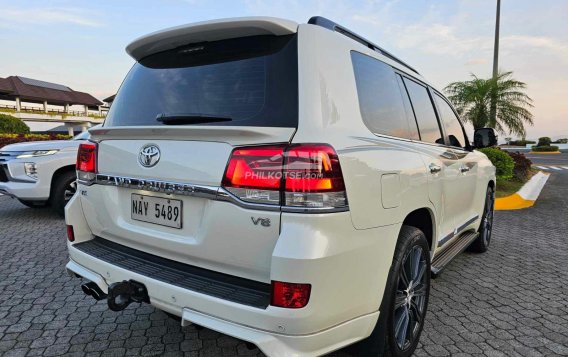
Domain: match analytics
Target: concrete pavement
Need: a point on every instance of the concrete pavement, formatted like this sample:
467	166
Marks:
510	301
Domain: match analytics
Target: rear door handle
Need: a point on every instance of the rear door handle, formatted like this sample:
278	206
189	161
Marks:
464	169
434	169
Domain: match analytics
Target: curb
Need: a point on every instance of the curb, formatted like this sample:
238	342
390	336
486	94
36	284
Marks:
525	197
545	152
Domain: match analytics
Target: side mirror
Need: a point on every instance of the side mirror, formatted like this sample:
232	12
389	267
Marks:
484	138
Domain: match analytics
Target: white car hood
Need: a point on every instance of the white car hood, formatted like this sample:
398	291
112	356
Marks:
42	145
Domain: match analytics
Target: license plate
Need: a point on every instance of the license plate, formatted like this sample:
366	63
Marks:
156	210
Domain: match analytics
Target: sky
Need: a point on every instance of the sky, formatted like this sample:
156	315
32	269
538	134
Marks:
81	43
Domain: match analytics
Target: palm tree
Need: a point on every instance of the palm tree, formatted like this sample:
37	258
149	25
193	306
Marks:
472	100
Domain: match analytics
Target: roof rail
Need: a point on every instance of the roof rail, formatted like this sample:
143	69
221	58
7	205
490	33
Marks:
328	24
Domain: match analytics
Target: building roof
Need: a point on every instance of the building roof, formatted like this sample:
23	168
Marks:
36	90
109	99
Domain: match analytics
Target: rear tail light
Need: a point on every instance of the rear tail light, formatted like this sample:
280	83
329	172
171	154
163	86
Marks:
313	177
87	161
255	174
70	233
290	295
302	176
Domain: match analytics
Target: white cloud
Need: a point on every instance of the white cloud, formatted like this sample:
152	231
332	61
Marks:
47	16
430	33
476	61
437	39
552	45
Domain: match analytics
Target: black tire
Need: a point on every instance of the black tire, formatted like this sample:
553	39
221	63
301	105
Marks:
33	204
481	244
62	189
397	307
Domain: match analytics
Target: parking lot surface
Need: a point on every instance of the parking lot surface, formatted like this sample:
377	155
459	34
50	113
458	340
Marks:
510	301
549	159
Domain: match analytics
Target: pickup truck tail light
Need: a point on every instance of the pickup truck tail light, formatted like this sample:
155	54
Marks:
87	161
298	176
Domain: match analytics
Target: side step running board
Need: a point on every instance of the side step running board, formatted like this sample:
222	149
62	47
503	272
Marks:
449	253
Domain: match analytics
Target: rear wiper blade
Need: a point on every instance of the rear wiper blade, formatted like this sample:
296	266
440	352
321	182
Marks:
189	118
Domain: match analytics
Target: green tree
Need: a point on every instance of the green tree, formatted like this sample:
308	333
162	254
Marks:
11	125
472	100
544	141
503	162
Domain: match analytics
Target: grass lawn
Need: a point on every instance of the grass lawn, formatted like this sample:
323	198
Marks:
507	187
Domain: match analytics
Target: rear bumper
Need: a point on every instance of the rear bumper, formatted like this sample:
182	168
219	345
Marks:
272	344
346	267
193	278
175	300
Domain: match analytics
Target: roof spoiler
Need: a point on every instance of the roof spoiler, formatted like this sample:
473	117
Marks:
208	31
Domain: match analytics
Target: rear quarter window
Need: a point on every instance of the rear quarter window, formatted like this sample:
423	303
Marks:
380	99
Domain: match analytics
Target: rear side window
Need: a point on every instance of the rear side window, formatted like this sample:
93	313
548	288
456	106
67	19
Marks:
424	111
412	126
451	123
253	81
380	99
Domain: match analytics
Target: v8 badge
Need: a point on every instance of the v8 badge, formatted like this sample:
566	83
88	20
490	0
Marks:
265	222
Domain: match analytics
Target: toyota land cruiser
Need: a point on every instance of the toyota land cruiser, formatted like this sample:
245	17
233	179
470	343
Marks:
292	185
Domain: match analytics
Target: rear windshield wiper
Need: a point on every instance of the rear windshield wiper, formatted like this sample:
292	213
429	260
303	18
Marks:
189	118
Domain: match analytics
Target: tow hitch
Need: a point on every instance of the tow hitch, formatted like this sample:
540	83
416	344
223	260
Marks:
121	294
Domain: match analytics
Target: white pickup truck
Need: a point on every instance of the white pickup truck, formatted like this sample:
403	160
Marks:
40	173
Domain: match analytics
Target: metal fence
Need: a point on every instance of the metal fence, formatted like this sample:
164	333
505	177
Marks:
37	110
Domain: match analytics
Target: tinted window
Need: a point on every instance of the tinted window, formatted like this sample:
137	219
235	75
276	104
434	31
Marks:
451	123
251	80
380	99
412	126
424	111
468	127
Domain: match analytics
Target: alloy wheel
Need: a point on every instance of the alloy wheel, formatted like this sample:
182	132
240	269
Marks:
488	218
410	299
70	191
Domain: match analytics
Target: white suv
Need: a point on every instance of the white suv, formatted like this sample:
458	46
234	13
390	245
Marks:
292	185
40	173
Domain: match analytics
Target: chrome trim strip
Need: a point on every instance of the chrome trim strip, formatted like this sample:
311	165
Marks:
457	231
84	183
202	191
313	210
470	221
177	188
224	195
443	241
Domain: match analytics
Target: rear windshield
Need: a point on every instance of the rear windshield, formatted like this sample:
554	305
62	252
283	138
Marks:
251	80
